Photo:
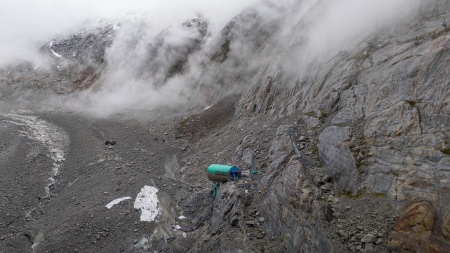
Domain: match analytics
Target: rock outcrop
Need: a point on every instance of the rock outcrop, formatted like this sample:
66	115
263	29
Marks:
291	207
169	52
394	93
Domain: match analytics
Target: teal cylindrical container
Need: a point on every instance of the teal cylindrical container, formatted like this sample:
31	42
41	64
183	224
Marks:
222	173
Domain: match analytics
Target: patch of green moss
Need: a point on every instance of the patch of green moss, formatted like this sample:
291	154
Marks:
379	194
323	113
445	151
410	102
359	169
311	114
315	152
186	121
359	193
349	194
361	56
342	124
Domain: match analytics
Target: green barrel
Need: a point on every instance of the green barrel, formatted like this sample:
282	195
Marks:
222	173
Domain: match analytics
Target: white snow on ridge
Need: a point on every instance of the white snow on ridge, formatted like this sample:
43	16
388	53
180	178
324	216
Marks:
116	26
116	201
53	52
148	202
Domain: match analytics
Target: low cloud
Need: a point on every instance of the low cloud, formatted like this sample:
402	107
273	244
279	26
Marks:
139	73
26	25
344	24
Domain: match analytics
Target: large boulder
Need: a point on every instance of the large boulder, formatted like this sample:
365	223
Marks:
337	158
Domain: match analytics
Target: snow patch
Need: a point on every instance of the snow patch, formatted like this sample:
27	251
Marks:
116	26
50	136
116	201
181	217
176	227
53	52
148	202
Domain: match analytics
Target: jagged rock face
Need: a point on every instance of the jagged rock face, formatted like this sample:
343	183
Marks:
83	60
228	60
396	94
228	211
281	147
227	207
72	63
403	102
86	46
291	212
82	55
423	225
169	51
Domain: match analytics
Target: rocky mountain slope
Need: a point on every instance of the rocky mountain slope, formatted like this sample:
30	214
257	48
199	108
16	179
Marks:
369	117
